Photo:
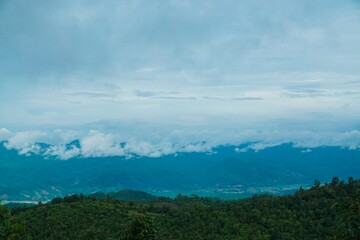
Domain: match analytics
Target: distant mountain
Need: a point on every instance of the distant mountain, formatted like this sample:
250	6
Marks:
75	143
227	172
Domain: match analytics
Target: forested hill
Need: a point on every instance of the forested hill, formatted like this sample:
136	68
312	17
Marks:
329	211
125	195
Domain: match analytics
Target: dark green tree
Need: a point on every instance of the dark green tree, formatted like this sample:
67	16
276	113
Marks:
8	229
335	181
316	183
141	228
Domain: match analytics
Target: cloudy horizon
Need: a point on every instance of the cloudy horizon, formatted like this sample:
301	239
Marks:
161	73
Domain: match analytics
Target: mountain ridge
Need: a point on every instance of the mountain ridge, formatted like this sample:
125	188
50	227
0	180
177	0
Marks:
40	179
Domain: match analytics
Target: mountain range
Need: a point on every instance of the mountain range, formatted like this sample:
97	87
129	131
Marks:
227	171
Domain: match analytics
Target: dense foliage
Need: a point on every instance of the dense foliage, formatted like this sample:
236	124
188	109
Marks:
125	195
329	211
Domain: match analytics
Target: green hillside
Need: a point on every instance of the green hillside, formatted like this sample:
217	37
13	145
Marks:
329	211
125	195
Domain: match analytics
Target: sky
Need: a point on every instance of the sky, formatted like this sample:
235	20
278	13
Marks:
190	74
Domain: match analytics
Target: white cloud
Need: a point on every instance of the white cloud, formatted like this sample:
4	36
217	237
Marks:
302	139
98	144
28	149
143	148
62	152
4	134
195	147
25	142
239	150
306	151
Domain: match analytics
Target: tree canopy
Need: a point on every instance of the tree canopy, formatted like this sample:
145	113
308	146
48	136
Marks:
328	211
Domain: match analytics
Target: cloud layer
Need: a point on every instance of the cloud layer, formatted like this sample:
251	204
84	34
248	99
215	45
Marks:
99	144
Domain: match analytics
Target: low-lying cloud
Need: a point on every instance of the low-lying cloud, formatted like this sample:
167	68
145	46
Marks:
100	144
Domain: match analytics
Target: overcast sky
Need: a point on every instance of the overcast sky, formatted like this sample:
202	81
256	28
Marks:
180	70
